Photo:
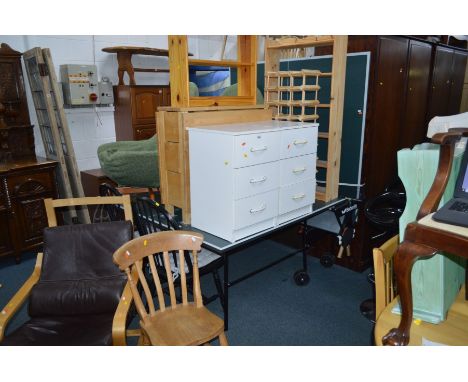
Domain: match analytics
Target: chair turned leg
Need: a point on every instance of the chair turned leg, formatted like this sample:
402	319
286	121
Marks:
144	339
223	339
405	258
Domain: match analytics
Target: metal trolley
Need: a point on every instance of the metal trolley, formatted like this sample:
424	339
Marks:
339	220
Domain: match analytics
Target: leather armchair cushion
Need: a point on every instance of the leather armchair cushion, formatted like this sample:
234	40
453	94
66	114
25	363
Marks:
78	275
66	331
76	297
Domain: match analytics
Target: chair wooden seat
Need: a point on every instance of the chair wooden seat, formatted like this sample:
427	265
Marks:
183	325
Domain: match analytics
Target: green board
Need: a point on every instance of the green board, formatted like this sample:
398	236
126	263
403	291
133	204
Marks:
355	99
435	281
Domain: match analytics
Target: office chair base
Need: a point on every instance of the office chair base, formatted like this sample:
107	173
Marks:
301	277
367	309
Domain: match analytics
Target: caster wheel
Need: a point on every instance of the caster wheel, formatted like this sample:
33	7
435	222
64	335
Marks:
301	277
327	260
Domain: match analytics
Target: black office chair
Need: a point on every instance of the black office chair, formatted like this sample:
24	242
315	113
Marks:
108	212
152	217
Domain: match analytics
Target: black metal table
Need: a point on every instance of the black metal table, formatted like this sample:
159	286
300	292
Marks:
226	248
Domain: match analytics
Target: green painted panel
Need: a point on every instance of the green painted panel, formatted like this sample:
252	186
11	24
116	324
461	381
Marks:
435	281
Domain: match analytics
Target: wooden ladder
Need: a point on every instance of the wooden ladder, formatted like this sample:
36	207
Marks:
53	125
281	87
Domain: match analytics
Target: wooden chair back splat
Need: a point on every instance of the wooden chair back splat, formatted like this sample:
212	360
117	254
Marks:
383	273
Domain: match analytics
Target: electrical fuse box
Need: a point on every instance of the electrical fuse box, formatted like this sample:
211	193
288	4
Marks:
106	93
80	84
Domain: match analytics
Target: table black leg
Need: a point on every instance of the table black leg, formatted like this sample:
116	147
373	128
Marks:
304	246
226	290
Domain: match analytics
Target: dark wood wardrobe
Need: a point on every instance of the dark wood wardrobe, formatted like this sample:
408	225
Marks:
411	80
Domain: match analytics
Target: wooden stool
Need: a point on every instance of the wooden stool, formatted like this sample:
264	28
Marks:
124	59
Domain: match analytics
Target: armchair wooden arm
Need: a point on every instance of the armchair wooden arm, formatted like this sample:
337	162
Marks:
422	240
119	324
447	147
20	297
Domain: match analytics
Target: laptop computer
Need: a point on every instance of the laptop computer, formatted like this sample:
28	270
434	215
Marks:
455	211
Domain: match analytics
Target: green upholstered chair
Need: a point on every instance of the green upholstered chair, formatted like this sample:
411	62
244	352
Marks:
232	91
131	163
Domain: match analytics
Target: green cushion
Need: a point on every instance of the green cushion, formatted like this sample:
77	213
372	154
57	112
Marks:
131	163
232	91
193	89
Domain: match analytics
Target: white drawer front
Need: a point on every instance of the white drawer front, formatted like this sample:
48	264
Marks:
256	179
293	170
253	149
255	209
297	142
296	196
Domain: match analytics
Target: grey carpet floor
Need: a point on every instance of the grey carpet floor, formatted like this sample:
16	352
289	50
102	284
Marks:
269	308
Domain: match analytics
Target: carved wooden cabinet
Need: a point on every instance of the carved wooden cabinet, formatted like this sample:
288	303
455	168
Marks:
23	186
16	131
24	179
135	108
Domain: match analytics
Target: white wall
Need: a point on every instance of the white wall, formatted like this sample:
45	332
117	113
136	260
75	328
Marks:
91	127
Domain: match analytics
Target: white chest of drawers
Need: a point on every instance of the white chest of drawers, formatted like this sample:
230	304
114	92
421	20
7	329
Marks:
248	177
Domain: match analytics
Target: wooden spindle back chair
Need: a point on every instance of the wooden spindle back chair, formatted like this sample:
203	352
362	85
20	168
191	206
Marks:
383	273
187	323
152	217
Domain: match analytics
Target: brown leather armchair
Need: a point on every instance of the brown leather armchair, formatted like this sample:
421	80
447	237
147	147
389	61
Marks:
77	296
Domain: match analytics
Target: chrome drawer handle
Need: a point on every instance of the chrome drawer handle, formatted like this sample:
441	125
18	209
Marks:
262	179
298	170
254	211
299	196
303	142
253	149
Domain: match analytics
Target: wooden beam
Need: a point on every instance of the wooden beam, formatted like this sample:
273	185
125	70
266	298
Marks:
149	70
300	42
336	116
225	63
247	74
178	75
221	100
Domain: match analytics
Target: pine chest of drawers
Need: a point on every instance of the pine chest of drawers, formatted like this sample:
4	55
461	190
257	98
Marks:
248	177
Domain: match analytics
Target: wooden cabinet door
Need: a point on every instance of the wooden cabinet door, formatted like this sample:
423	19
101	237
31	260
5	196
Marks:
387	111
6	243
31	219
413	127
457	81
166	101
144	132
441	81
144	104
27	191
